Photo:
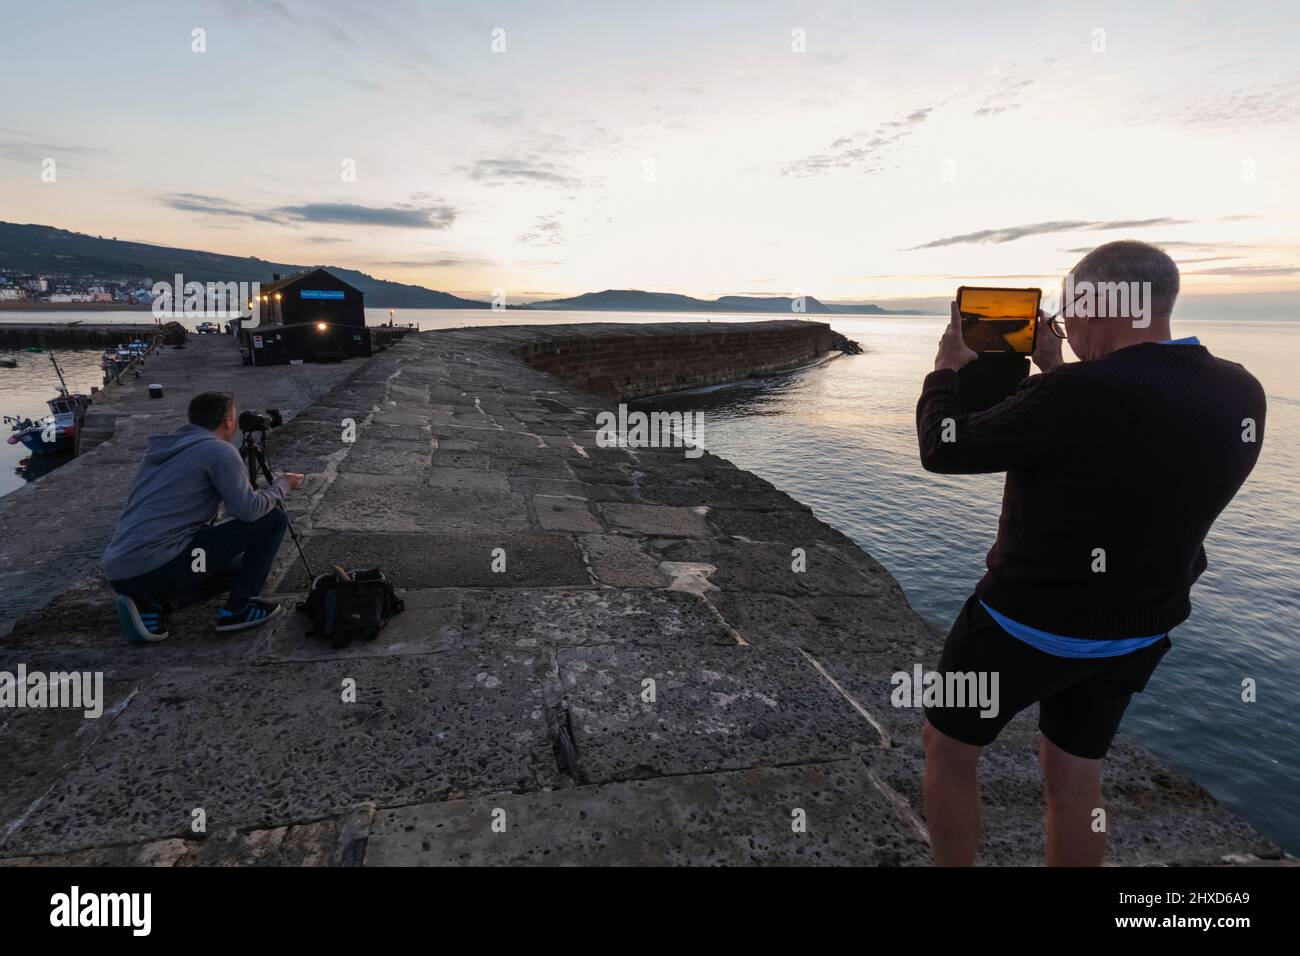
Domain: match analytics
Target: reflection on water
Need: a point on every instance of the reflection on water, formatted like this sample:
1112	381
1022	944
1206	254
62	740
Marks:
38	466
23	391
841	438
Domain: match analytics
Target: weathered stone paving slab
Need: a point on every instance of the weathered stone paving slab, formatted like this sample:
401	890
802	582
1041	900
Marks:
323	843
815	814
656	711
365	502
658	520
451	560
552	617
381	457
564	513
618	561
259	746
868	628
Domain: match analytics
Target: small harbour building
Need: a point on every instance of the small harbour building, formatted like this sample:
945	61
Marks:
311	316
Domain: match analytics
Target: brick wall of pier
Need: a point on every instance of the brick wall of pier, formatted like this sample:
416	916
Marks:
50	335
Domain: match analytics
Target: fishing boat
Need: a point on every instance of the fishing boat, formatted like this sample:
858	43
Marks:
121	357
56	434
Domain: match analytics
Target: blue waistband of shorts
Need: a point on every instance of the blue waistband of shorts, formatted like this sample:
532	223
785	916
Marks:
1077	647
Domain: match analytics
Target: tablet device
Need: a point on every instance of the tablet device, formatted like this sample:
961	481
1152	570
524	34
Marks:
999	321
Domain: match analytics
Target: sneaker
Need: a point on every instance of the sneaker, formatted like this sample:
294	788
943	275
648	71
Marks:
147	626
254	614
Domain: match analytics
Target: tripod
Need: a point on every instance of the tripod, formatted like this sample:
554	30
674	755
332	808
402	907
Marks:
254	453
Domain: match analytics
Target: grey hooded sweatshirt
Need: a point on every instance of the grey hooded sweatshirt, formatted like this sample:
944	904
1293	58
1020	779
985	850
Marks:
185	475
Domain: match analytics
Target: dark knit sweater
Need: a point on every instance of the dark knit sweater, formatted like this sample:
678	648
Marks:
1135	453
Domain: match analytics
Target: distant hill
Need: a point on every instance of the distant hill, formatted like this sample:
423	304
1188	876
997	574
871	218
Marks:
864	308
634	300
46	251
753	303
625	300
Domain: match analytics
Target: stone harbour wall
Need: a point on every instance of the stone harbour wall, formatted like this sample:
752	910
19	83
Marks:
634	361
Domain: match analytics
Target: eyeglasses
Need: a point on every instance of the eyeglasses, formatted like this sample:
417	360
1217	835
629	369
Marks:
1056	324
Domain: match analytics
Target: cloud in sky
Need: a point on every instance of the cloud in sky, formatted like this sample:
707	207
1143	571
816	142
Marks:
214	206
363	84
410	216
1173	243
1249	271
496	172
273	9
862	150
353	214
442	262
1200	246
1254	104
1011	233
20	146
276	15
546	231
502	117
1004	98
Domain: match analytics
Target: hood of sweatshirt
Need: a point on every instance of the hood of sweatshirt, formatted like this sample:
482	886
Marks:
161	448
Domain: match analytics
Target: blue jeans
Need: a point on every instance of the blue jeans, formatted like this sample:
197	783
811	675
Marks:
237	556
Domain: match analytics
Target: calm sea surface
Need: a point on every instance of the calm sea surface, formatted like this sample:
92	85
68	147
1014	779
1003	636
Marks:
841	438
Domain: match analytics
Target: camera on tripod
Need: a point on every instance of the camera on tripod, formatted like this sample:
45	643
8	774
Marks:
250	421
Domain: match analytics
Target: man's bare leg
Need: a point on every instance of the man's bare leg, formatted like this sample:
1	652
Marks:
1073	795
952	797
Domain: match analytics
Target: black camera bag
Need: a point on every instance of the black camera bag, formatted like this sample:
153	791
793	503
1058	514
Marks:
351	606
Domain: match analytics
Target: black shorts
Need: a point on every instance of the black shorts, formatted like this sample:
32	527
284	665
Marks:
1080	701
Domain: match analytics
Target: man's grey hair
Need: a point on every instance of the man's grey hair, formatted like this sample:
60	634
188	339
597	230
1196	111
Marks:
1128	260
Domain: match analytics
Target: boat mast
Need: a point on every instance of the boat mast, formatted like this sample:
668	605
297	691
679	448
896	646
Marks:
63	385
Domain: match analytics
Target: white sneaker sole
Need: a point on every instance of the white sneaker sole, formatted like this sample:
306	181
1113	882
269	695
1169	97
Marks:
128	615
245	625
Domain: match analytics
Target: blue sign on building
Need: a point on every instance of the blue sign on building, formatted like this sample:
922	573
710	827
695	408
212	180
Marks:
319	294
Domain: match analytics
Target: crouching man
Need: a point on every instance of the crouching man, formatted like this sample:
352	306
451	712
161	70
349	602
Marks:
166	552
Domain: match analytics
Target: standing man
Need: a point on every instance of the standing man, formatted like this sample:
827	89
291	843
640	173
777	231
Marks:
1117	466
165	552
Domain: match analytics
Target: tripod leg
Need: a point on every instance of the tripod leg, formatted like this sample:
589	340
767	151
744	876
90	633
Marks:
257	460
301	553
